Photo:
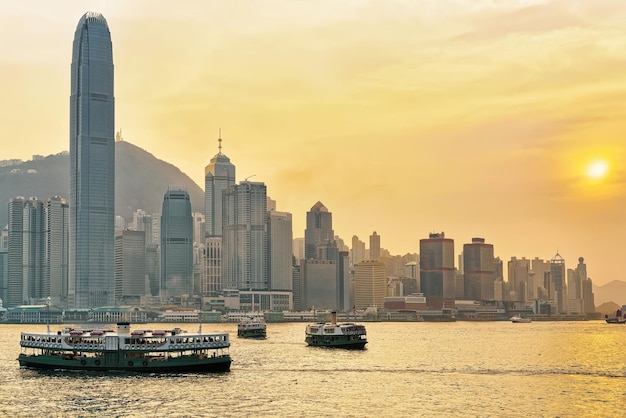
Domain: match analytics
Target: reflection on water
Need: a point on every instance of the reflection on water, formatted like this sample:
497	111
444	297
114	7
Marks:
408	369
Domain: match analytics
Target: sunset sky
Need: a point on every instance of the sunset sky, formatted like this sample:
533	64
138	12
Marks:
476	118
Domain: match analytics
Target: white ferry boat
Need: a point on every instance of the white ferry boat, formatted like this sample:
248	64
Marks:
334	335
150	351
252	328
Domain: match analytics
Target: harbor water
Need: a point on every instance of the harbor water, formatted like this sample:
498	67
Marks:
410	369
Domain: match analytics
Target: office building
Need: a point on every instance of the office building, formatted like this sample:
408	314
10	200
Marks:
437	274
319	229
370	284
519	277
375	246
92	166
26	252
56	242
479	271
280	234
176	245
219	176
130	267
558	282
244	240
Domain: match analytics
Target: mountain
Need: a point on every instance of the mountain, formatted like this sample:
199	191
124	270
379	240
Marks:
141	180
614	291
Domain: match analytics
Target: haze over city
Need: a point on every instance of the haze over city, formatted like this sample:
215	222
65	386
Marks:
501	120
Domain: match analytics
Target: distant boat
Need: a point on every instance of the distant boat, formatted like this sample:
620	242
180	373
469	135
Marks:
618	319
252	328
518	319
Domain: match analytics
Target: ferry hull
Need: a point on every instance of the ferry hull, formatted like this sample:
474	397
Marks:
343	342
259	334
189	364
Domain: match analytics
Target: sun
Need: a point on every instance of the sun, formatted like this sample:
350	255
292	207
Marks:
597	169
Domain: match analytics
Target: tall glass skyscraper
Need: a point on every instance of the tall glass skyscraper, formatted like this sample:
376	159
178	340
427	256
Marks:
176	245
92	166
219	175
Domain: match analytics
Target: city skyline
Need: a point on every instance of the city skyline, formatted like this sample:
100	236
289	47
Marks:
402	119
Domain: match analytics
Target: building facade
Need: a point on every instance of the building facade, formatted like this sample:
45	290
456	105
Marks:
56	241
437	274
370	284
176	245
478	270
244	241
319	229
92	166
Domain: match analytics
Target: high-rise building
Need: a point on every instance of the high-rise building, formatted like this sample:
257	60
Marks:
298	249
176	245
244	241
374	246
92	166
319	229
558	281
358	250
130	266
437	275
26	252
478	270
518	279
219	175
370	284
280	234
198	227
56	243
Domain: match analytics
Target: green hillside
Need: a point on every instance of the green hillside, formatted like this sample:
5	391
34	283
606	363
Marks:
141	180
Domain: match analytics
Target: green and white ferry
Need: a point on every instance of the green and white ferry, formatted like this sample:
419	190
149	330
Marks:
150	351
252	327
334	335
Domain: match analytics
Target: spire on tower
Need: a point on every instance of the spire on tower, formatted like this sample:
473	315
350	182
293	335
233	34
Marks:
219	139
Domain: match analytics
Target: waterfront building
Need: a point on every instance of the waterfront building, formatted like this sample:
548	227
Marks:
319	229
244	245
280	234
176	245
130	266
557	277
25	251
370	284
478	270
56	244
211	282
318	285
518	279
437	273
92	166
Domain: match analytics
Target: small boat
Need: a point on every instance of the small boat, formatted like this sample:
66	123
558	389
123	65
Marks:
252	327
334	335
618	319
121	350
517	319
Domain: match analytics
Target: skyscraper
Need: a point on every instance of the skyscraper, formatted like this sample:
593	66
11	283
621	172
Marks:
319	229
370	284
219	175
245	256
56	250
374	246
92	166
478	270
26	251
437	276
176	245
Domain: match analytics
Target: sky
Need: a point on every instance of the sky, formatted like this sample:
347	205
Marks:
496	119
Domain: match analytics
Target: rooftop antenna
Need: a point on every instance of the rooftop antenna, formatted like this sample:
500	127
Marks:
219	139
246	179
